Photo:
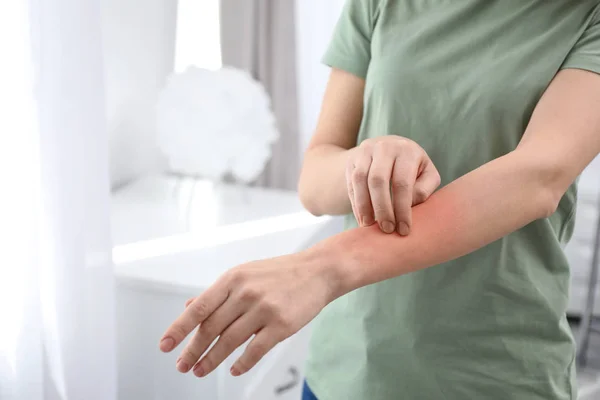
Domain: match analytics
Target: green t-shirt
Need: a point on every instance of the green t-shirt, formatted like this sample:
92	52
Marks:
461	78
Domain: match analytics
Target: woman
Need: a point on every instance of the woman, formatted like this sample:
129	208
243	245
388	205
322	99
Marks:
464	295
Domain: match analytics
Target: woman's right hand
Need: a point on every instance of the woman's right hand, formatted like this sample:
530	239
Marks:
385	177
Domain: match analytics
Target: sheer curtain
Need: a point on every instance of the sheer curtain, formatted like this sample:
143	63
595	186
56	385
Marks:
259	37
56	287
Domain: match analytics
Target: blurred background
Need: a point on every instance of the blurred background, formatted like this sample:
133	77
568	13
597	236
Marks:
278	43
147	146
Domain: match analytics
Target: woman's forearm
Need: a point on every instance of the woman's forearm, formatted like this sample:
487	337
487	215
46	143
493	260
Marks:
471	212
322	187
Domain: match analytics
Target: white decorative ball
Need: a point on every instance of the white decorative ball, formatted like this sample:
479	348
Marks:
214	123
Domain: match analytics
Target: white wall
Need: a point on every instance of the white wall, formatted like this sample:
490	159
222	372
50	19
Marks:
198	35
315	20
139	39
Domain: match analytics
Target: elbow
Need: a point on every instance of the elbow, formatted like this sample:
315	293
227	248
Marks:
308	198
548	203
553	186
311	208
308	193
546	179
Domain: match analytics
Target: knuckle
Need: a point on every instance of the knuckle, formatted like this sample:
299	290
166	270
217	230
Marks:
199	310
381	146
178	332
406	149
235	276
359	175
283	322
227	342
367	144
271	310
400	184
208	329
249	294
229	276
191	354
365	152
377	181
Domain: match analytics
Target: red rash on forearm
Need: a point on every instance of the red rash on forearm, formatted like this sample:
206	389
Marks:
469	213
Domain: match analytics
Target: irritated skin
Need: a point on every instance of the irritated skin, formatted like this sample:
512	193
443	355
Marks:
506	193
267	300
498	198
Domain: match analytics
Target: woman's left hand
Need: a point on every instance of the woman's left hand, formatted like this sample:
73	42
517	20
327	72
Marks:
271	299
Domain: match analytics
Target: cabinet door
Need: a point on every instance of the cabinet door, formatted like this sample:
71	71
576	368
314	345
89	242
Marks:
282	377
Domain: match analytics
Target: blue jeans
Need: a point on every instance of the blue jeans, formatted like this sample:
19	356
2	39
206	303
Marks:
307	394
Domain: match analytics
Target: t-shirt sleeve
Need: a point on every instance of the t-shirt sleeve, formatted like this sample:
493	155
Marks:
586	52
350	46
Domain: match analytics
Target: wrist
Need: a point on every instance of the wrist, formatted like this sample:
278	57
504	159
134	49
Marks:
331	265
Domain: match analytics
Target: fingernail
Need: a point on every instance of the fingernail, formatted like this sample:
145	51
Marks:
368	220
387	226
198	371
182	366
167	344
234	371
403	229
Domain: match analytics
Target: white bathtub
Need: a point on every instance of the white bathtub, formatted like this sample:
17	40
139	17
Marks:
167	251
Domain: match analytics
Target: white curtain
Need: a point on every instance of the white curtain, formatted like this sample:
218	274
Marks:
56	287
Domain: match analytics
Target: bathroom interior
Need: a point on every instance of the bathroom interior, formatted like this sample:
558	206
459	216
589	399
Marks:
157	215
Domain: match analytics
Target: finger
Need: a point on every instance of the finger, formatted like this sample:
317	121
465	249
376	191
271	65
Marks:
350	188
379	189
427	182
233	337
198	311
206	334
189	301
261	344
403	179
362	199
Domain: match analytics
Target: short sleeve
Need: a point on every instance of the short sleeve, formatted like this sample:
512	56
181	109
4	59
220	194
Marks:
350	46
586	52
